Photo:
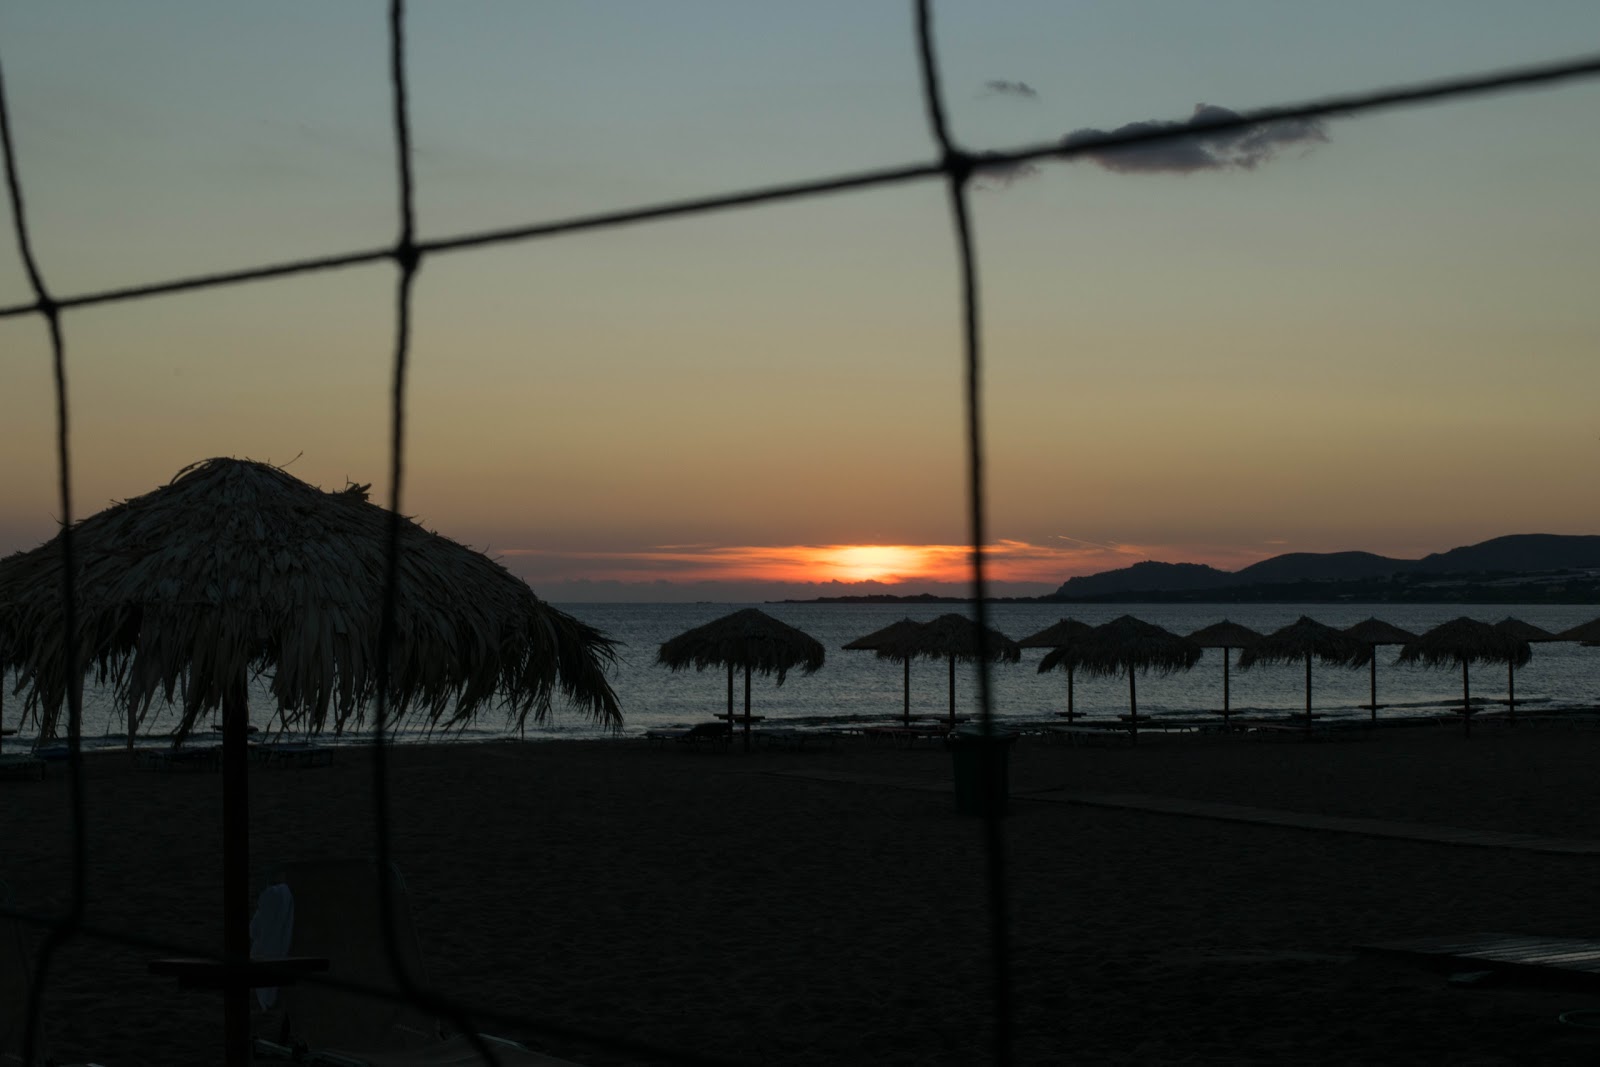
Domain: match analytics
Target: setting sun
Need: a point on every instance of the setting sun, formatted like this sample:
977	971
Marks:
873	563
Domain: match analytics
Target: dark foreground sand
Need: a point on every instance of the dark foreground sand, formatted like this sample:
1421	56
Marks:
714	903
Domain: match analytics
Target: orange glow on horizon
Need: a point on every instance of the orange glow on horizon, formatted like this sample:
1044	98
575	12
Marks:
890	565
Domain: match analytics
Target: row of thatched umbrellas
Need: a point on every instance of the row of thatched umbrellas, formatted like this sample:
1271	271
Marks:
757	642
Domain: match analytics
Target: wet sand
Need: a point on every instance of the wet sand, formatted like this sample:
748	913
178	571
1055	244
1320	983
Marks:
830	905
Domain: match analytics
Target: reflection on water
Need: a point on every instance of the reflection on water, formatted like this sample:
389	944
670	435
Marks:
859	685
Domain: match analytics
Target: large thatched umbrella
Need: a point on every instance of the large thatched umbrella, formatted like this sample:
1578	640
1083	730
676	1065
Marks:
890	643
954	637
1225	635
1126	644
1304	639
234	567
1060	635
1373	632
1524	631
750	639
1465	641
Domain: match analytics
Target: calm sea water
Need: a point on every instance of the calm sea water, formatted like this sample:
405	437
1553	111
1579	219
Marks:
858	685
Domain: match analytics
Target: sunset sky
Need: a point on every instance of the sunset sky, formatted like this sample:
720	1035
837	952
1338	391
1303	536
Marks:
1379	335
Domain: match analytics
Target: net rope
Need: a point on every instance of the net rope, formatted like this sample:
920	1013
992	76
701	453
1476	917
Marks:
955	167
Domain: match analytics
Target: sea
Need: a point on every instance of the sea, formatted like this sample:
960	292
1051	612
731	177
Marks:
855	687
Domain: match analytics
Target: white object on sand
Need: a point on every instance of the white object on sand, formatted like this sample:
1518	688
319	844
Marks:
271	928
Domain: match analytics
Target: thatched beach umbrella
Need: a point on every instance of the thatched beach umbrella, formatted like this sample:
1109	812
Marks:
749	639
1126	644
1225	635
955	637
234	567
890	643
1523	631
5	664
1060	635
1304	639
1465	641
1587	633
1373	632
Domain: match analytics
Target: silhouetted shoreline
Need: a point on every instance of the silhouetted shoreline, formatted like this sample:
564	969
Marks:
1399	589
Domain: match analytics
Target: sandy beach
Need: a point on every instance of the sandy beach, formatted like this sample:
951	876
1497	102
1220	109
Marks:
829	905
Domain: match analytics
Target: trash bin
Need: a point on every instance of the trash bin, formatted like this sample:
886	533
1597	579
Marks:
982	769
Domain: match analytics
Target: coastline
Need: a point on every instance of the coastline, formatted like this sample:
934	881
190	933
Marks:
828	905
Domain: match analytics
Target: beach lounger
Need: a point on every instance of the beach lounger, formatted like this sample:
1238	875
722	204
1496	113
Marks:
299	754
703	733
336	916
907	736
1093	735
20	765
179	759
713	733
791	738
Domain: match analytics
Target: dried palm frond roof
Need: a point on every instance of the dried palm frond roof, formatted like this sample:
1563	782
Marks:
1307	637
957	636
1125	644
747	638
1225	634
1465	640
1374	631
235	567
1057	634
890	642
1525	631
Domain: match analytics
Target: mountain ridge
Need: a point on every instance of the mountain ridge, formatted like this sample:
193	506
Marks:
1512	553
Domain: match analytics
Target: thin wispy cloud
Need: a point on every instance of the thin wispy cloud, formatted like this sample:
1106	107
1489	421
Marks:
1001	87
1237	148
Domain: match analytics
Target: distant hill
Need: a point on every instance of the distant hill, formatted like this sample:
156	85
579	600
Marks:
1518	553
1147	575
1515	554
1320	567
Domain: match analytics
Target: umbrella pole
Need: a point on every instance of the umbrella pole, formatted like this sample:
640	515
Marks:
747	707
952	659
730	693
1374	666
236	872
907	712
1225	694
1308	691
1069	696
1133	705
1511	691
1466	702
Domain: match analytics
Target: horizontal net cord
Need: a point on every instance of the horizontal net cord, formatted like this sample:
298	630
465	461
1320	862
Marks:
1522	77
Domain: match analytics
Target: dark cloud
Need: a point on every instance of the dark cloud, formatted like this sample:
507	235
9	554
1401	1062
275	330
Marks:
1239	148
999	87
997	174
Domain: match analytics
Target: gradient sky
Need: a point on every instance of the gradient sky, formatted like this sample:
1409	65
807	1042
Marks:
1384	341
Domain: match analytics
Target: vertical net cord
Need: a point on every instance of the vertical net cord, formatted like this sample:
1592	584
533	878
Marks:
958	167
408	260
71	921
